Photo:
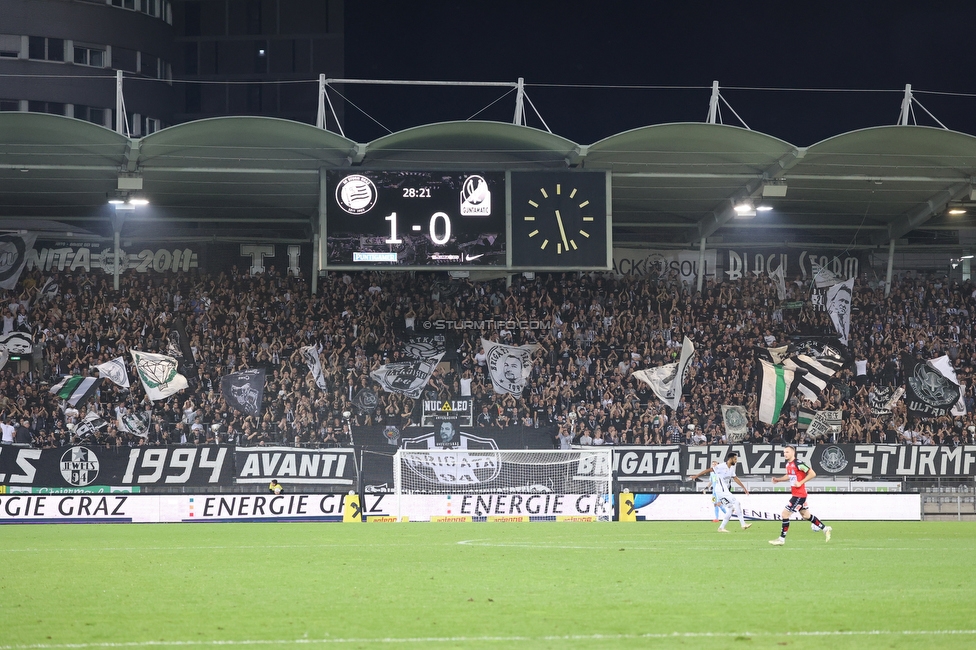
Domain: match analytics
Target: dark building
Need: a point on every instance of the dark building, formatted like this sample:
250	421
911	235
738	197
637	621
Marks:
255	57
181	60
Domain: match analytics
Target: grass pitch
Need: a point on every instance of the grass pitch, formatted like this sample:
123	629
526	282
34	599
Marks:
539	585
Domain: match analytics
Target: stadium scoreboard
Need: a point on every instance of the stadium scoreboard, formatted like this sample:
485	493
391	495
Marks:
423	220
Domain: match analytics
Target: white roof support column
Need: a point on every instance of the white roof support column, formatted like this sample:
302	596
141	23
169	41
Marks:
713	106
701	265
891	267
906	106
519	102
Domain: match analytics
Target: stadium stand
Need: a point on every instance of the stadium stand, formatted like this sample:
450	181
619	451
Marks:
596	329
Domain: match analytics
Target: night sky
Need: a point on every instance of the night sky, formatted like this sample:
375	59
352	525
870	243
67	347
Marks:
852	46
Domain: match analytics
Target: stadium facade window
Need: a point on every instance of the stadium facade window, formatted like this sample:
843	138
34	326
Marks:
9	46
54	108
191	18
191	53
90	55
9	105
40	48
91	114
125	59
260	56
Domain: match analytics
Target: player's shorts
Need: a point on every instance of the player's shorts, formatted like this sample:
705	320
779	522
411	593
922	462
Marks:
728	501
796	504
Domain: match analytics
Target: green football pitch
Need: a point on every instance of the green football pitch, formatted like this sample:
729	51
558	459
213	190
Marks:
538	585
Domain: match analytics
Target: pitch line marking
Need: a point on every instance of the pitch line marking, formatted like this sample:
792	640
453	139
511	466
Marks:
486	639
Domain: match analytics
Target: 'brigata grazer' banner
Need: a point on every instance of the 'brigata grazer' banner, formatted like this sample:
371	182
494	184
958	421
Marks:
664	463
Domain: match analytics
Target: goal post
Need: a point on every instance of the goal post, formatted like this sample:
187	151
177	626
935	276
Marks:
487	484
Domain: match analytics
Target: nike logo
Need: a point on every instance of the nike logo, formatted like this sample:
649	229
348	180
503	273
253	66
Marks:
469	258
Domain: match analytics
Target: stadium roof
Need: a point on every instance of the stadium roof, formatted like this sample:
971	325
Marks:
240	178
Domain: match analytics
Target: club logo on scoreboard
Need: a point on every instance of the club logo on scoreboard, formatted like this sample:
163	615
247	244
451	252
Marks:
79	466
356	194
475	197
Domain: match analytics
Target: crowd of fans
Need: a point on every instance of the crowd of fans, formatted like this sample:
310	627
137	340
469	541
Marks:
594	330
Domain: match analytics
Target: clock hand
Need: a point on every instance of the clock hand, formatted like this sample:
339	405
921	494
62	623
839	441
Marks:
562	231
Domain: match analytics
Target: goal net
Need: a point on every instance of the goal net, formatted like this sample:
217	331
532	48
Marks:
485	483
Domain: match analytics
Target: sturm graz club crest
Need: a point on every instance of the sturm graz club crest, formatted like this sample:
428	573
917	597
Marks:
79	466
833	460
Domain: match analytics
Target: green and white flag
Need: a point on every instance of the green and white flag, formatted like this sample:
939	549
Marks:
158	374
75	389
776	383
803	418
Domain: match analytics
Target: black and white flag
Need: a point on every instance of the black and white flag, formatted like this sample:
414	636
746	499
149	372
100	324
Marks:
115	371
736	423
310	353
839	298
90	424
425	346
883	400
822	276
49	291
928	393
406	377
244	390
818	368
178	346
17	342
667	381
366	400
779	279
825	424
4	355
509	366
134	422
13	257
944	365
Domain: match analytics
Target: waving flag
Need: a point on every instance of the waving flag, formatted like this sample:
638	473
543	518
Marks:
158	374
406	377
775	386
114	370
244	390
839	298
667	381
310	353
928	392
76	390
509	366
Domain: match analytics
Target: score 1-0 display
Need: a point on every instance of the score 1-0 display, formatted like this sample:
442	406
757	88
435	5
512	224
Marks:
415	219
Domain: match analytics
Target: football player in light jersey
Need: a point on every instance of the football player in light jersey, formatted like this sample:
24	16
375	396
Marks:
717	504
798	474
725	472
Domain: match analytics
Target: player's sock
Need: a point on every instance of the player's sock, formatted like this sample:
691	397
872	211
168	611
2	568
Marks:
816	522
742	519
725	519
786	528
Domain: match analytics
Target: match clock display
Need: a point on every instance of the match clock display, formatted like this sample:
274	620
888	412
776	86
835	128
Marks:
417	220
560	220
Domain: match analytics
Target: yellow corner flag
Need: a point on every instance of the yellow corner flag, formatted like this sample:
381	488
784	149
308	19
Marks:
352	512
627	510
